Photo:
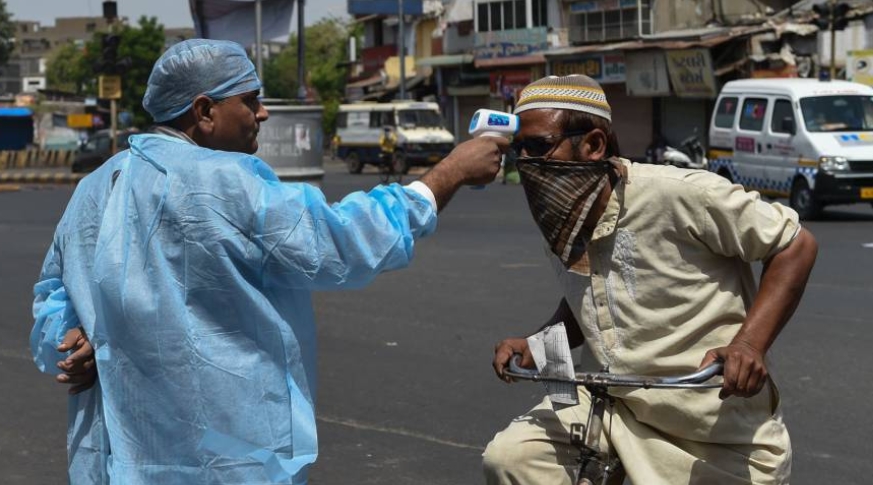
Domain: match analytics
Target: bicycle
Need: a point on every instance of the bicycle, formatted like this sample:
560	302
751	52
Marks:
388	168
594	465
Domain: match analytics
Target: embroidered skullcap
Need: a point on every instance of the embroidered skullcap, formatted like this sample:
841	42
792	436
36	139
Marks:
575	92
218	69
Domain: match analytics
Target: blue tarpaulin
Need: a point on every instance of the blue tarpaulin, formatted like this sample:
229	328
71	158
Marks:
16	128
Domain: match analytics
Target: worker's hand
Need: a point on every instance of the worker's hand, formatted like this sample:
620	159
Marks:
505	350
80	369
477	161
744	370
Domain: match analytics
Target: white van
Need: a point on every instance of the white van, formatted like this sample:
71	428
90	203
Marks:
422	138
808	140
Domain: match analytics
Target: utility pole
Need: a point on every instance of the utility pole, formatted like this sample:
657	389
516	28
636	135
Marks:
402	49
110	13
833	8
259	41
301	34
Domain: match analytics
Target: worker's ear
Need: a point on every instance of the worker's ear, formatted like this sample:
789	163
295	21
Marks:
593	146
203	110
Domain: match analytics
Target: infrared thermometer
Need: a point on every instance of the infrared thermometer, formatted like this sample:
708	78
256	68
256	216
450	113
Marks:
486	122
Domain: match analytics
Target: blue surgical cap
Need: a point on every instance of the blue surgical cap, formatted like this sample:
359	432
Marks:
216	68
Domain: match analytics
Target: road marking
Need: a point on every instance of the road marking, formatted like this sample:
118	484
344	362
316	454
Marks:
867	245
396	431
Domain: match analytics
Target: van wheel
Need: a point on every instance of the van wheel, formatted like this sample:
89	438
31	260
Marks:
803	201
353	161
726	174
399	163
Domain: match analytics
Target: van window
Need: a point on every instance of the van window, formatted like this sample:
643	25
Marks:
381	118
358	119
752	117
781	109
837	113
726	112
420	117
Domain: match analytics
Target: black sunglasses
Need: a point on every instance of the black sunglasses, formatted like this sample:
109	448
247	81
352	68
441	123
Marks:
540	146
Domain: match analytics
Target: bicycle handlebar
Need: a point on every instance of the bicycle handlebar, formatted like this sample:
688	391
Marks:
696	380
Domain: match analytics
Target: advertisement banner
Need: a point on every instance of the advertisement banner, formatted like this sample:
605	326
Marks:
603	68
691	73
859	67
507	84
647	74
235	19
510	43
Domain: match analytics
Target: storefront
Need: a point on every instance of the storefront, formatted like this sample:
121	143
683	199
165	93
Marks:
631	116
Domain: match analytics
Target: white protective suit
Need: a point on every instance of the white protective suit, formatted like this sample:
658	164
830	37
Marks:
191	271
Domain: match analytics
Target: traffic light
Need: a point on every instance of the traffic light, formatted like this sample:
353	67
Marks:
109	50
840	15
109	63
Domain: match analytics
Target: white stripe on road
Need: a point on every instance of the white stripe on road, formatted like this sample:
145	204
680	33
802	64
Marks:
867	245
397	431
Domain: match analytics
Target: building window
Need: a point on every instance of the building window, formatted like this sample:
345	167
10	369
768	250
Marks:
90	27
502	15
540	13
596	21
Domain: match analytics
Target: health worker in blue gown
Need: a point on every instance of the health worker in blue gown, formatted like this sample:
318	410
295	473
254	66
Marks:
189	267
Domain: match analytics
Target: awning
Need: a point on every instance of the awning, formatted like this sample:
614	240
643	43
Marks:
411	83
363	83
511	61
663	42
448	60
15	112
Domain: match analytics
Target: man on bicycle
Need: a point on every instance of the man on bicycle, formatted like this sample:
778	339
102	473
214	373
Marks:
654	263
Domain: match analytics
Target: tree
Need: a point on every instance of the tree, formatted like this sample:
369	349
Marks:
143	45
67	70
7	32
325	47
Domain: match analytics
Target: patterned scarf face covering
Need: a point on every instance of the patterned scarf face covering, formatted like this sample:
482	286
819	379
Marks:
560	195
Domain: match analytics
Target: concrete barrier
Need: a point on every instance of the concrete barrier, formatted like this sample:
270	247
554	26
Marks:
35	158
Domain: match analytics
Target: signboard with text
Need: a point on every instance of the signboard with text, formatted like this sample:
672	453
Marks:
647	74
80	120
510	43
691	73
603	68
109	87
859	67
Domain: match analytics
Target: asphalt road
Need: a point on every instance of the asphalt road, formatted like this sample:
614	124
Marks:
407	394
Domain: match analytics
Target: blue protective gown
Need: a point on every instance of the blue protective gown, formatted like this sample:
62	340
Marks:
191	270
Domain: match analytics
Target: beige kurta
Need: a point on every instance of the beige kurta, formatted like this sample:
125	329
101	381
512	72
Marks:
669	279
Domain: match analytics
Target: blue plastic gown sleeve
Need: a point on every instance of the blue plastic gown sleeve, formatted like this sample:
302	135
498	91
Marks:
314	245
53	315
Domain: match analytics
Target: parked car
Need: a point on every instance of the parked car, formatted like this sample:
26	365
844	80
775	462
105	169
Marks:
97	150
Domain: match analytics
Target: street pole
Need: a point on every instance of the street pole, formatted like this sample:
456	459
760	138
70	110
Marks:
833	76
113	110
301	34
402	44
259	41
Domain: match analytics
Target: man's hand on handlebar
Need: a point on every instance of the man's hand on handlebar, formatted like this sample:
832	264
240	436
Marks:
504	351
745	372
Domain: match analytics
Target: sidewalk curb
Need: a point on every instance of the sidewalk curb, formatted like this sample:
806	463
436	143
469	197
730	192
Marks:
39	178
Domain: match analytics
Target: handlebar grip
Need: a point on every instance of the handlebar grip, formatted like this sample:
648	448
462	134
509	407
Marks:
516	368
